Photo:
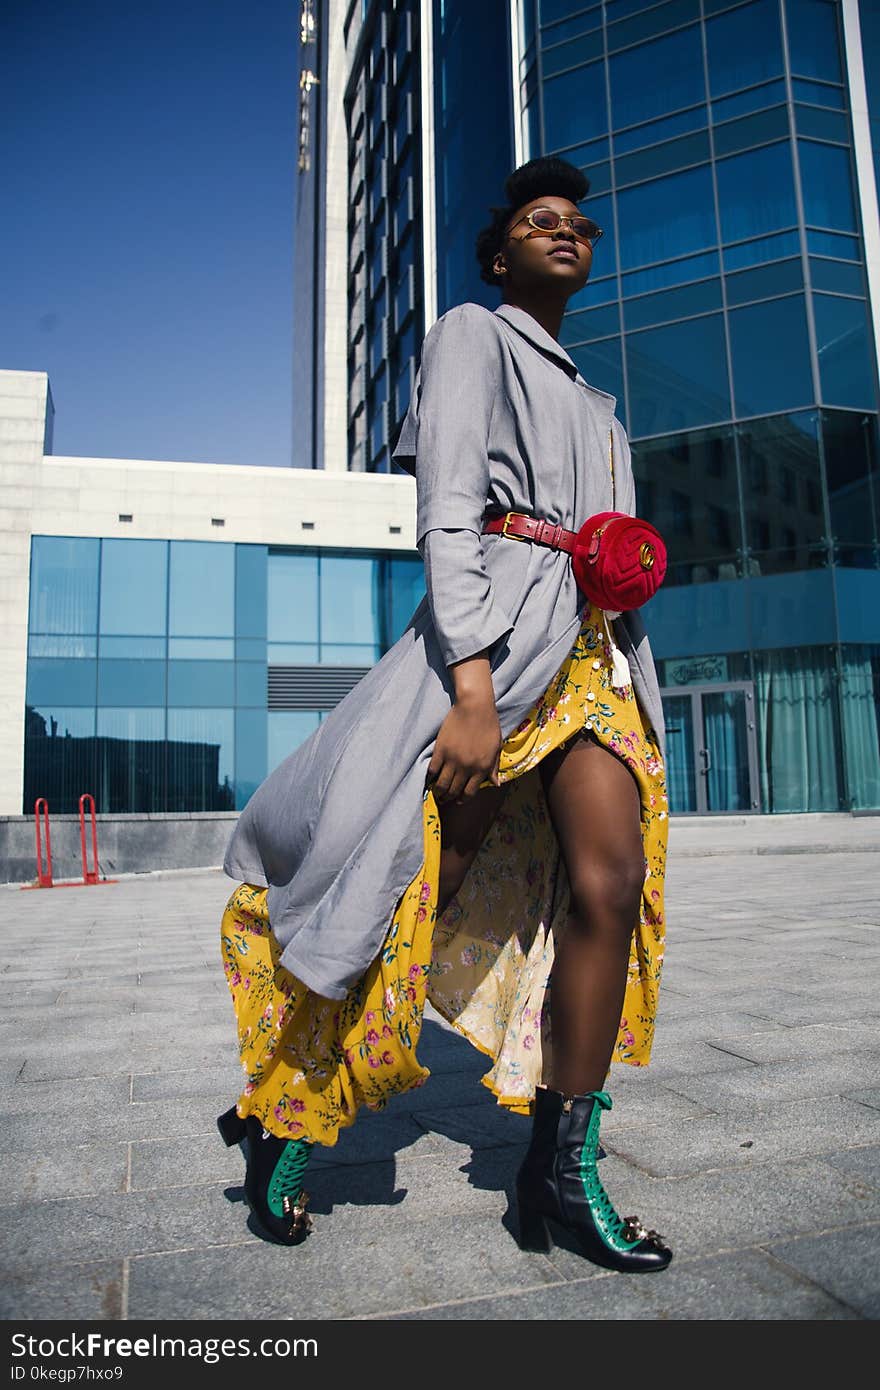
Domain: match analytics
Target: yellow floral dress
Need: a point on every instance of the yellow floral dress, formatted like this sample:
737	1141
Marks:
485	964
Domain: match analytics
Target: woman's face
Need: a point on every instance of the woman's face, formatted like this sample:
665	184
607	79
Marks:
535	261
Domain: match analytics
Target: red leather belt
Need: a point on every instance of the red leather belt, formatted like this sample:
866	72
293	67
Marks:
522	527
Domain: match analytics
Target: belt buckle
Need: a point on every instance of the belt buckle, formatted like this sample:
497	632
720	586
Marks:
510	534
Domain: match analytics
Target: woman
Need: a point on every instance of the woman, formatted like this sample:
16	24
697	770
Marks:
488	803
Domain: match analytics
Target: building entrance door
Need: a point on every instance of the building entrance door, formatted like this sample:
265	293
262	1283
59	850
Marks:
711	749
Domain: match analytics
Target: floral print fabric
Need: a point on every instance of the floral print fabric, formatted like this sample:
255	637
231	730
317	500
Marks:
485	964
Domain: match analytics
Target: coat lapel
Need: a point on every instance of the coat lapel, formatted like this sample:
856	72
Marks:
530	329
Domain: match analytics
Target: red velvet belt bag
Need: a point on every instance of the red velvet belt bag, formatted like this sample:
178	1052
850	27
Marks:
618	561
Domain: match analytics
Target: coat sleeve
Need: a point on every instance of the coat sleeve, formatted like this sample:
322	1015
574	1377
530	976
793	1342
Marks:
459	378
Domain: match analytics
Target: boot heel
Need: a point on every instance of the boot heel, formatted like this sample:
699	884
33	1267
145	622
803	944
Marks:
231	1127
534	1233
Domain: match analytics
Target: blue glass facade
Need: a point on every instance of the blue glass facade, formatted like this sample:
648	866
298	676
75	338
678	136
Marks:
727	312
473	149
174	675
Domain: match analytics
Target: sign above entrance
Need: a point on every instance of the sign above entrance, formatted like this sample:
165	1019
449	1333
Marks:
696	670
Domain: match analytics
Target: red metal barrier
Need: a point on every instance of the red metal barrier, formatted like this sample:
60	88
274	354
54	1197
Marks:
90	875
44	876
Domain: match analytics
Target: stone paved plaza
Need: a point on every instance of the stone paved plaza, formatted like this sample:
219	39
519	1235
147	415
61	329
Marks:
752	1142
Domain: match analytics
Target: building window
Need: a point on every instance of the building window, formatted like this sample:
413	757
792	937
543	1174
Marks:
753	332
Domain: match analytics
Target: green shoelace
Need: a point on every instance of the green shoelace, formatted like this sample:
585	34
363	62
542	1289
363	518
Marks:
612	1227
286	1180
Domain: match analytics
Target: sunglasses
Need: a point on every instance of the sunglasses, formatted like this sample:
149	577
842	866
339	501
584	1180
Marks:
544	222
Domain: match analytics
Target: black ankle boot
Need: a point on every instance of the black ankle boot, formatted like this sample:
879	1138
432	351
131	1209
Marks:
559	1184
272	1184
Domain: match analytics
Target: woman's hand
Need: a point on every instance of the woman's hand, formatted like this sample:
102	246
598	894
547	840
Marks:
467	748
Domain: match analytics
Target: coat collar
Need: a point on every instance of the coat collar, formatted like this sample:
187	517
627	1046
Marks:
530	329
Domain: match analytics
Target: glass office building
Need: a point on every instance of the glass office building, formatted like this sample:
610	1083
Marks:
728	312
174	675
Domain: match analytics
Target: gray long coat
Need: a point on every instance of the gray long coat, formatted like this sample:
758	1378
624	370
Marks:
500	415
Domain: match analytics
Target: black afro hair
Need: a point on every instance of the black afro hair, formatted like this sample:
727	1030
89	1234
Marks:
549	177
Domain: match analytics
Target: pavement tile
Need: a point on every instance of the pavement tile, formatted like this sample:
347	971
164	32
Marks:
47	1097
61	1169
82	1292
745	1284
863	1163
728	1210
278	1282
710	1026
115	1120
372	1139
225	1080
670	1058
844	1263
869	1096
815	1040
738	1092
73	1063
480	1126
777	1132
166	1163
82	1229
10	1070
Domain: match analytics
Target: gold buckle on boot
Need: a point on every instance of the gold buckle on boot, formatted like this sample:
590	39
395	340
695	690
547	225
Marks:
301	1223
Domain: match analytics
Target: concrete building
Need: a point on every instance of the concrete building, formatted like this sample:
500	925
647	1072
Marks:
169	631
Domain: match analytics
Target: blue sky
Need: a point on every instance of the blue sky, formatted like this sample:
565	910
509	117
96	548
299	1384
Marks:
149	178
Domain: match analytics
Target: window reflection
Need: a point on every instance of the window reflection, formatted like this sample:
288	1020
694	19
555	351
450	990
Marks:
133	587
851	467
202	589
131	682
131	760
813	45
59	756
292	598
677	375
287	729
686	486
200	759
574	106
404	592
783	493
826	179
250	752
600	365
350	604
756	192
666	217
744	47
250	591
201	682
844	347
62	681
636	95
771	356
64	585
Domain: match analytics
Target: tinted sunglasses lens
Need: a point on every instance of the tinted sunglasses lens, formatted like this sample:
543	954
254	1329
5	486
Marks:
545	220
584	227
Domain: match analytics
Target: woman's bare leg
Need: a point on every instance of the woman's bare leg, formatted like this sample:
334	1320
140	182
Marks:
462	830
594	805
